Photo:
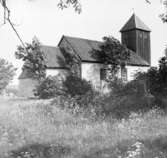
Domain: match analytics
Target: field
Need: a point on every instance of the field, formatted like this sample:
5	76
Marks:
35	129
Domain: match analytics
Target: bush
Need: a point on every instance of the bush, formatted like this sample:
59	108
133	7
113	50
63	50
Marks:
121	102
126	98
49	87
74	86
54	85
134	87
155	78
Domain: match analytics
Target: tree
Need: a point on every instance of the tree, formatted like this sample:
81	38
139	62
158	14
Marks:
112	53
7	72
33	58
155	78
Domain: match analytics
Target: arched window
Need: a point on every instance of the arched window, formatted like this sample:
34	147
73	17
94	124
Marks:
124	74
103	74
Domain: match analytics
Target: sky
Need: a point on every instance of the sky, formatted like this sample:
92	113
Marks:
99	18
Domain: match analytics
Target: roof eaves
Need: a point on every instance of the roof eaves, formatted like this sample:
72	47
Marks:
141	65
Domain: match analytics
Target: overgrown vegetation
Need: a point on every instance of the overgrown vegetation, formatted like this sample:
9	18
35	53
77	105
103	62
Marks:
120	103
36	129
155	78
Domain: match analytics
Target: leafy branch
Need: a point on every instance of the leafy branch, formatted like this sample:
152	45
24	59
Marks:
33	59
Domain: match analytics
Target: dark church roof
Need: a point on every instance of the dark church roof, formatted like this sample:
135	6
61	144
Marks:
83	48
53	57
135	23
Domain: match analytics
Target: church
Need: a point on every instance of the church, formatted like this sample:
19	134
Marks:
134	34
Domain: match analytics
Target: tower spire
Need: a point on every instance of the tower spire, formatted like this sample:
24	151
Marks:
136	36
133	10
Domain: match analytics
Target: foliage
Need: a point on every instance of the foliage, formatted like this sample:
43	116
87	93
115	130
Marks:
66	3
74	85
113	53
164	15
126	98
134	87
120	103
33	59
71	86
7	72
156	77
49	87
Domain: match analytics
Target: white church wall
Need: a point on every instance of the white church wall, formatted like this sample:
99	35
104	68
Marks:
52	72
131	70
91	72
26	87
55	72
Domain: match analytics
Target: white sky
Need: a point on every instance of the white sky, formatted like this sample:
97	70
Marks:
42	18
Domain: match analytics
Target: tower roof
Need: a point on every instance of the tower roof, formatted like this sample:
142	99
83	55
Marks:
135	23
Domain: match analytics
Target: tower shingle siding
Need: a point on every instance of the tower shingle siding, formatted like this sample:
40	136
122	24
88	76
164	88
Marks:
136	36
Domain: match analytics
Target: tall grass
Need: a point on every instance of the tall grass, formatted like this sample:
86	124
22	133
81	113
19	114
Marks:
35	129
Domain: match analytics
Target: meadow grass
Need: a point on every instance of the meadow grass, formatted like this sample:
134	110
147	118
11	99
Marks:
36	129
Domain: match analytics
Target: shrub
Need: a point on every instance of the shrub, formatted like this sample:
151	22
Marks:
74	86
155	78
134	87
126	98
54	85
49	87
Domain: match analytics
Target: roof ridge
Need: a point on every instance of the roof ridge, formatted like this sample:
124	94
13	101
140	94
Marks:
135	20
83	38
49	46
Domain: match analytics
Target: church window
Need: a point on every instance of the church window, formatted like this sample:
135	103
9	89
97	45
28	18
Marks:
124	74
103	74
145	36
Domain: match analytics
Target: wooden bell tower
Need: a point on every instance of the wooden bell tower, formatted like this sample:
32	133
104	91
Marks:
136	36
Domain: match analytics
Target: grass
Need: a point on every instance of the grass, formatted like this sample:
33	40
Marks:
35	129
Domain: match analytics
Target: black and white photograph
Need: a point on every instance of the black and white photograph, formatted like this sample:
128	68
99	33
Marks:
83	79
